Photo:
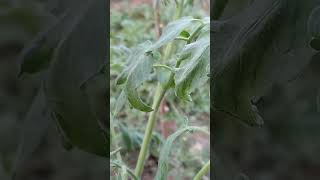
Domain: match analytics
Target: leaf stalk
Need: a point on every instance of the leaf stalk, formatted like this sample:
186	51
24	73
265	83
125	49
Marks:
203	171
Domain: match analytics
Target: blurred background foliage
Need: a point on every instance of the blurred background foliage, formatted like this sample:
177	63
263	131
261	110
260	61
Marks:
287	146
133	22
20	21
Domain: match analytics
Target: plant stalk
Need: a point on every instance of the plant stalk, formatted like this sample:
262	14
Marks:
148	133
178	14
203	171
160	92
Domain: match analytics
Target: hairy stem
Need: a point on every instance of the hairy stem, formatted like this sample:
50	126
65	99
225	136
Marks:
160	92
159	95
113	135
148	133
203	171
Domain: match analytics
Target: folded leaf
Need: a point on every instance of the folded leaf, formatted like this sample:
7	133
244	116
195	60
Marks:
194	72
138	74
137	70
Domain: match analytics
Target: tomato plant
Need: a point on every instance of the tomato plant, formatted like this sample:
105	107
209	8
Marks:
179	62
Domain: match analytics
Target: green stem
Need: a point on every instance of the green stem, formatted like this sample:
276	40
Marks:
181	38
160	92
113	135
165	67
120	165
195	33
179	10
115	151
203	171
148	133
178	14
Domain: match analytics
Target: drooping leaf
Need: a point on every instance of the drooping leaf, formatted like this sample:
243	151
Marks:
241	33
137	71
194	72
136	77
266	47
78	60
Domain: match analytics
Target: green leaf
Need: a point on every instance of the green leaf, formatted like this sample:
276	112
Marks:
134	54
126	137
134	81
135	73
172	30
194	72
131	138
75	90
164	158
121	100
116	67
121	165
185	34
258	52
246	37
